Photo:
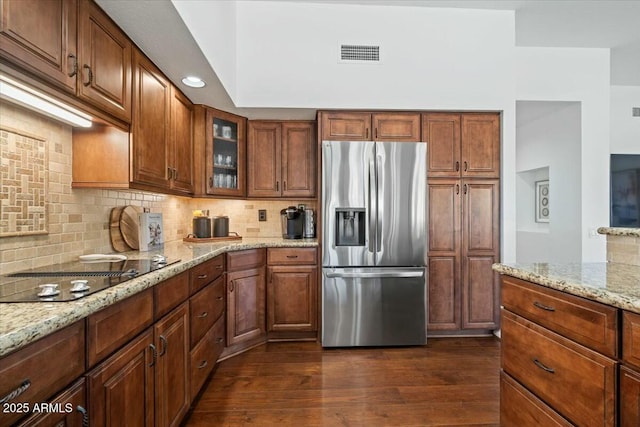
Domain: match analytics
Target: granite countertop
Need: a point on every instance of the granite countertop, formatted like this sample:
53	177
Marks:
610	283
23	323
619	231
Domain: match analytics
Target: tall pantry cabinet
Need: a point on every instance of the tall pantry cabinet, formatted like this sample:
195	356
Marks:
464	225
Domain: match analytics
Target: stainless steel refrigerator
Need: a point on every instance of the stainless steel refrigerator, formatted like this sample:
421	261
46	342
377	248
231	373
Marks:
374	236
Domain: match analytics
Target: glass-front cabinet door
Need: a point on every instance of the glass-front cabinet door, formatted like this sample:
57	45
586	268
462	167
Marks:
226	158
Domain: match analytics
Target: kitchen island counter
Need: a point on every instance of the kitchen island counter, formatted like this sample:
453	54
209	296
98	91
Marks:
23	323
615	284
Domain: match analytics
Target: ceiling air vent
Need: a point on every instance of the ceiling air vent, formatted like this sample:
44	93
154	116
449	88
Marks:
635	111
359	53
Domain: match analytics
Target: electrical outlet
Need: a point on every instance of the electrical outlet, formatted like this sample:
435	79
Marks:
262	214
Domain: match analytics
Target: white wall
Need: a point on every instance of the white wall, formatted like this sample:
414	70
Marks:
625	129
580	75
548	146
213	26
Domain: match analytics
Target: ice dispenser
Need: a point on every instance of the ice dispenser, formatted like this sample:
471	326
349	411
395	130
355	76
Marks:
350	226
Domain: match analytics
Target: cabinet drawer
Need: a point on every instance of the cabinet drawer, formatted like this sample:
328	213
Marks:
205	308
283	256
70	407
590	323
244	260
205	355
631	338
170	294
116	325
574	380
205	273
520	408
41	369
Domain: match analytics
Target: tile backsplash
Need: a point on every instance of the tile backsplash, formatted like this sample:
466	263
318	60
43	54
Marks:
78	219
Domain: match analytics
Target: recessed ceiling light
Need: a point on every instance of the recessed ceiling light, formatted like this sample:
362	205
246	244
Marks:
193	81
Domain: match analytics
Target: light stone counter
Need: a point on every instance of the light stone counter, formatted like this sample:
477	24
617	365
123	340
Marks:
23	323
610	283
619	231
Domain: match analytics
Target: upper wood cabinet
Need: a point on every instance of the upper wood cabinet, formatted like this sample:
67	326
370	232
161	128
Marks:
181	142
44	43
73	45
362	126
104	62
220	153
282	159
462	145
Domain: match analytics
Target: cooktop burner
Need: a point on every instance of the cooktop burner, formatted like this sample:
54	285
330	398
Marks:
73	280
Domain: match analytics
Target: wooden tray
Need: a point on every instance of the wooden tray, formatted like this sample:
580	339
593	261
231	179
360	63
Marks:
193	239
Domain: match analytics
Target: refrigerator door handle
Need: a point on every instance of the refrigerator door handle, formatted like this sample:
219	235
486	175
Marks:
379	201
371	235
373	275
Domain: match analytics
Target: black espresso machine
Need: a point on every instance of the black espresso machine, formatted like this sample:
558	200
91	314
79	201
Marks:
292	221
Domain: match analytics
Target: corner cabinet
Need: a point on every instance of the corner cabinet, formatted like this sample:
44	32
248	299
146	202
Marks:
282	159
220	147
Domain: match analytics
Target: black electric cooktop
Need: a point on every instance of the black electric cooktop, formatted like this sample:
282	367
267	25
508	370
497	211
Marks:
85	278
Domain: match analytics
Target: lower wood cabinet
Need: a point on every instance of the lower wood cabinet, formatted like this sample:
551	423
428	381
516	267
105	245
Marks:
245	305
69	408
292	293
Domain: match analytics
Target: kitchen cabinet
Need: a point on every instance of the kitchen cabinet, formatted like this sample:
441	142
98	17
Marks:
630	370
38	371
161	130
220	153
104	62
282	159
462	145
70	409
246	323
73	45
121	389
42	43
558	348
365	126
292	289
463	244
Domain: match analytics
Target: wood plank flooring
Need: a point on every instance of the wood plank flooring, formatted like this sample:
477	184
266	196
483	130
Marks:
448	382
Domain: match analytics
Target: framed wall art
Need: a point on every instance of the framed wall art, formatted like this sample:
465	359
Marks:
542	201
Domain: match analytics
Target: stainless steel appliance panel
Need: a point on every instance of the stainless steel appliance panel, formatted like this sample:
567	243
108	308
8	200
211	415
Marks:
347	180
401	225
373	307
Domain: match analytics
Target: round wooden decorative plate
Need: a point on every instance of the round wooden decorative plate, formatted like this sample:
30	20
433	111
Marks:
117	242
129	226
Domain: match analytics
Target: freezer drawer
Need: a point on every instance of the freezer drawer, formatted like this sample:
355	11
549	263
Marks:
373	306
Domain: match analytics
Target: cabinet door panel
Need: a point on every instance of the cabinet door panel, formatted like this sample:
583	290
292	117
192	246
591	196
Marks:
479	293
42	42
172	367
245	305
444	215
629	397
444	293
181	146
151	97
121	389
291	298
403	127
337	126
263	151
104	62
481	145
482	221
442	133
298	159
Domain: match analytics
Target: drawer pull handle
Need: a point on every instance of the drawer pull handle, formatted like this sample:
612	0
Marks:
219	340
541	365
202	276
203	364
203	315
219	298
218	267
292	256
163	341
17	392
543	307
154	355
85	415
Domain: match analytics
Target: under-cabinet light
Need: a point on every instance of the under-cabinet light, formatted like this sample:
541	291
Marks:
20	94
193	81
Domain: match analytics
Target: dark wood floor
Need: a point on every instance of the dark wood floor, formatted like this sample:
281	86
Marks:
449	382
